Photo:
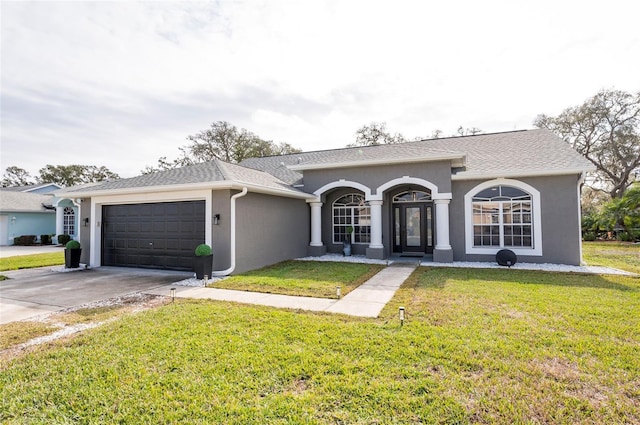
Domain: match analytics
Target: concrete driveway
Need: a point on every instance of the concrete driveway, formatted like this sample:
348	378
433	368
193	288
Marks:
30	293
13	250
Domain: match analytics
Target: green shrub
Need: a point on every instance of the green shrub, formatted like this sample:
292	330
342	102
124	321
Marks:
25	240
45	239
63	239
589	236
202	250
625	237
72	245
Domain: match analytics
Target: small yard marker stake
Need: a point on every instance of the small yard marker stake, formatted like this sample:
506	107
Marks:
401	314
206	280
338	291
173	294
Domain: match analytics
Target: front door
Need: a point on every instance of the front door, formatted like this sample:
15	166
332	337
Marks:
413	228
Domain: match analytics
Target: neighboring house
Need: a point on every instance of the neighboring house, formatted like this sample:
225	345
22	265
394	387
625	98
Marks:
450	199
43	188
25	213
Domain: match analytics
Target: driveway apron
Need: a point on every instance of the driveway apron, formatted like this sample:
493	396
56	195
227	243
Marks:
30	293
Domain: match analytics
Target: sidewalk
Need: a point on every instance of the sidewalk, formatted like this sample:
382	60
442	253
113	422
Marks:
367	300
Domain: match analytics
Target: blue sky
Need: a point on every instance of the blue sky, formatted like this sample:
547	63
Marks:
122	83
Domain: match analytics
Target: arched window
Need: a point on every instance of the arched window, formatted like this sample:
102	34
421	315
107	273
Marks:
412	196
350	212
502	218
69	221
503	214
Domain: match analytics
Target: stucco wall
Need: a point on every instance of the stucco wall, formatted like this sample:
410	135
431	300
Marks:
270	229
560	224
438	173
27	223
221	233
84	232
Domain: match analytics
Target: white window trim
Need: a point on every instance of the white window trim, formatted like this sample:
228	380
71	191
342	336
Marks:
535	212
333	224
69	222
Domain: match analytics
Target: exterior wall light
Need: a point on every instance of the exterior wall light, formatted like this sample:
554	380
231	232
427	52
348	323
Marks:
216	219
13	219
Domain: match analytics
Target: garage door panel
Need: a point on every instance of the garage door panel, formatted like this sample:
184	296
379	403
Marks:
160	235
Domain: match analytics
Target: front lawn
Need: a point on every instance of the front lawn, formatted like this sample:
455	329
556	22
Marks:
478	346
302	278
619	255
31	261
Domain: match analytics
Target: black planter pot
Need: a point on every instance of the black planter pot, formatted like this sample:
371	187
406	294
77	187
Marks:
203	266
72	258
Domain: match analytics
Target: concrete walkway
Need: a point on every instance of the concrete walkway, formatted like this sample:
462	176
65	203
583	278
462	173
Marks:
367	300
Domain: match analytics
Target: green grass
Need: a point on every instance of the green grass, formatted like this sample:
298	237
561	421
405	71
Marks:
478	346
31	261
303	278
619	255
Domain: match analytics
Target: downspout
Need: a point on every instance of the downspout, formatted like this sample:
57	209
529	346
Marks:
219	273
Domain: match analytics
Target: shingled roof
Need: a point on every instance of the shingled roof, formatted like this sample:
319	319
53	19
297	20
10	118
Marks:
207	172
509	154
524	152
12	201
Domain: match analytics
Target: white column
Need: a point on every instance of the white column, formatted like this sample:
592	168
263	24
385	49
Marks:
442	224
376	224
59	221
316	223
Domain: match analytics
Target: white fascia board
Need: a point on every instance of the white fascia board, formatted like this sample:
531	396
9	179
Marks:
149	191
382	161
515	174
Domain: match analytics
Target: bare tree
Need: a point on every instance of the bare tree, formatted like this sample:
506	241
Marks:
376	134
605	129
223	141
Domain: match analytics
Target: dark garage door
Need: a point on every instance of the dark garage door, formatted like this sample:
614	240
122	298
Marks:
159	236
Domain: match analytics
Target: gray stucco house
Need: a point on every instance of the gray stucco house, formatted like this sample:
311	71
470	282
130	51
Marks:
448	199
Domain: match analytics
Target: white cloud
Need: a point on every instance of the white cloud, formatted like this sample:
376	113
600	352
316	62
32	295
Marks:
123	83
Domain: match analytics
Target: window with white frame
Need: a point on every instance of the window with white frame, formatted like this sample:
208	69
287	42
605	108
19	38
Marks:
351	213
69	221
503	214
502	218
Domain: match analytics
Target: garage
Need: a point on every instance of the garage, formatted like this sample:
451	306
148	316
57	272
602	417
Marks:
155	235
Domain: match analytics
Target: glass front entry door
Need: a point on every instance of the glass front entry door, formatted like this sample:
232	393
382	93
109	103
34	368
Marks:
413	228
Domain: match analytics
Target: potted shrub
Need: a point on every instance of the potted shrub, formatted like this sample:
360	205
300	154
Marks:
203	263
72	253
346	245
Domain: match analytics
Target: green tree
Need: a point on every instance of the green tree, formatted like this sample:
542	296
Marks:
71	175
16	176
223	141
605	129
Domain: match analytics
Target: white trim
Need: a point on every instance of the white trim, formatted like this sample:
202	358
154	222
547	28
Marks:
535	212
479	175
343	183
151	190
142	198
406	180
382	161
